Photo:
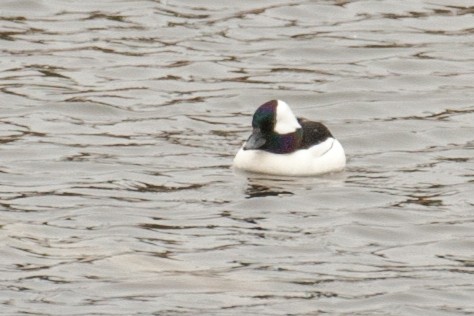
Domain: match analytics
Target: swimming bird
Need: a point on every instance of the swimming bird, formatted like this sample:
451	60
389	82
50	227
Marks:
282	144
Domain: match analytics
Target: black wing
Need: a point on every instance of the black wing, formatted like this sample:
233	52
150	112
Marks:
313	132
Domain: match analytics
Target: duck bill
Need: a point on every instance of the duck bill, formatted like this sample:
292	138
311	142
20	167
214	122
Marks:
256	140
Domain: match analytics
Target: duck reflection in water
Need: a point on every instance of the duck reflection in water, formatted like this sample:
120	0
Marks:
257	187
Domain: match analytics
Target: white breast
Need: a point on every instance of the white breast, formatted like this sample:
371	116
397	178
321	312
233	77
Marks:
326	157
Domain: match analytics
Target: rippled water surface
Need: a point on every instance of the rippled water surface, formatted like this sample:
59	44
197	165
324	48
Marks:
119	121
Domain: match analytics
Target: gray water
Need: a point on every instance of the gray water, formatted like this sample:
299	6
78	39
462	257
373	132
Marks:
119	121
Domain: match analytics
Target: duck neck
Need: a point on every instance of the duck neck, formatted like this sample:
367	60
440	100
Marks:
283	143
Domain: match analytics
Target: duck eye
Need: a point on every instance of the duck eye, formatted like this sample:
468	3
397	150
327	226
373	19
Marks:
267	126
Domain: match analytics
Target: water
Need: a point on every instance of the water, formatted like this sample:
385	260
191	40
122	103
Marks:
119	121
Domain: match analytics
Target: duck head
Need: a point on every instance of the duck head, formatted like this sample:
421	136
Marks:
275	129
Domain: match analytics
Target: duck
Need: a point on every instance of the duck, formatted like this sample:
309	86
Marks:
286	145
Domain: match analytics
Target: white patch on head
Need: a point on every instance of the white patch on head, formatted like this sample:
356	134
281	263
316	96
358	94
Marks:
286	121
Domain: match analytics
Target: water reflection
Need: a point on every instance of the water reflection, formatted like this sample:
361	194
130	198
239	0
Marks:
257	190
261	185
118	127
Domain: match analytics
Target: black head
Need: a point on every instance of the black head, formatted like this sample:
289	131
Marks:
264	117
275	129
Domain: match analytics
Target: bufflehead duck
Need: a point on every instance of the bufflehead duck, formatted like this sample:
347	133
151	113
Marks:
282	144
